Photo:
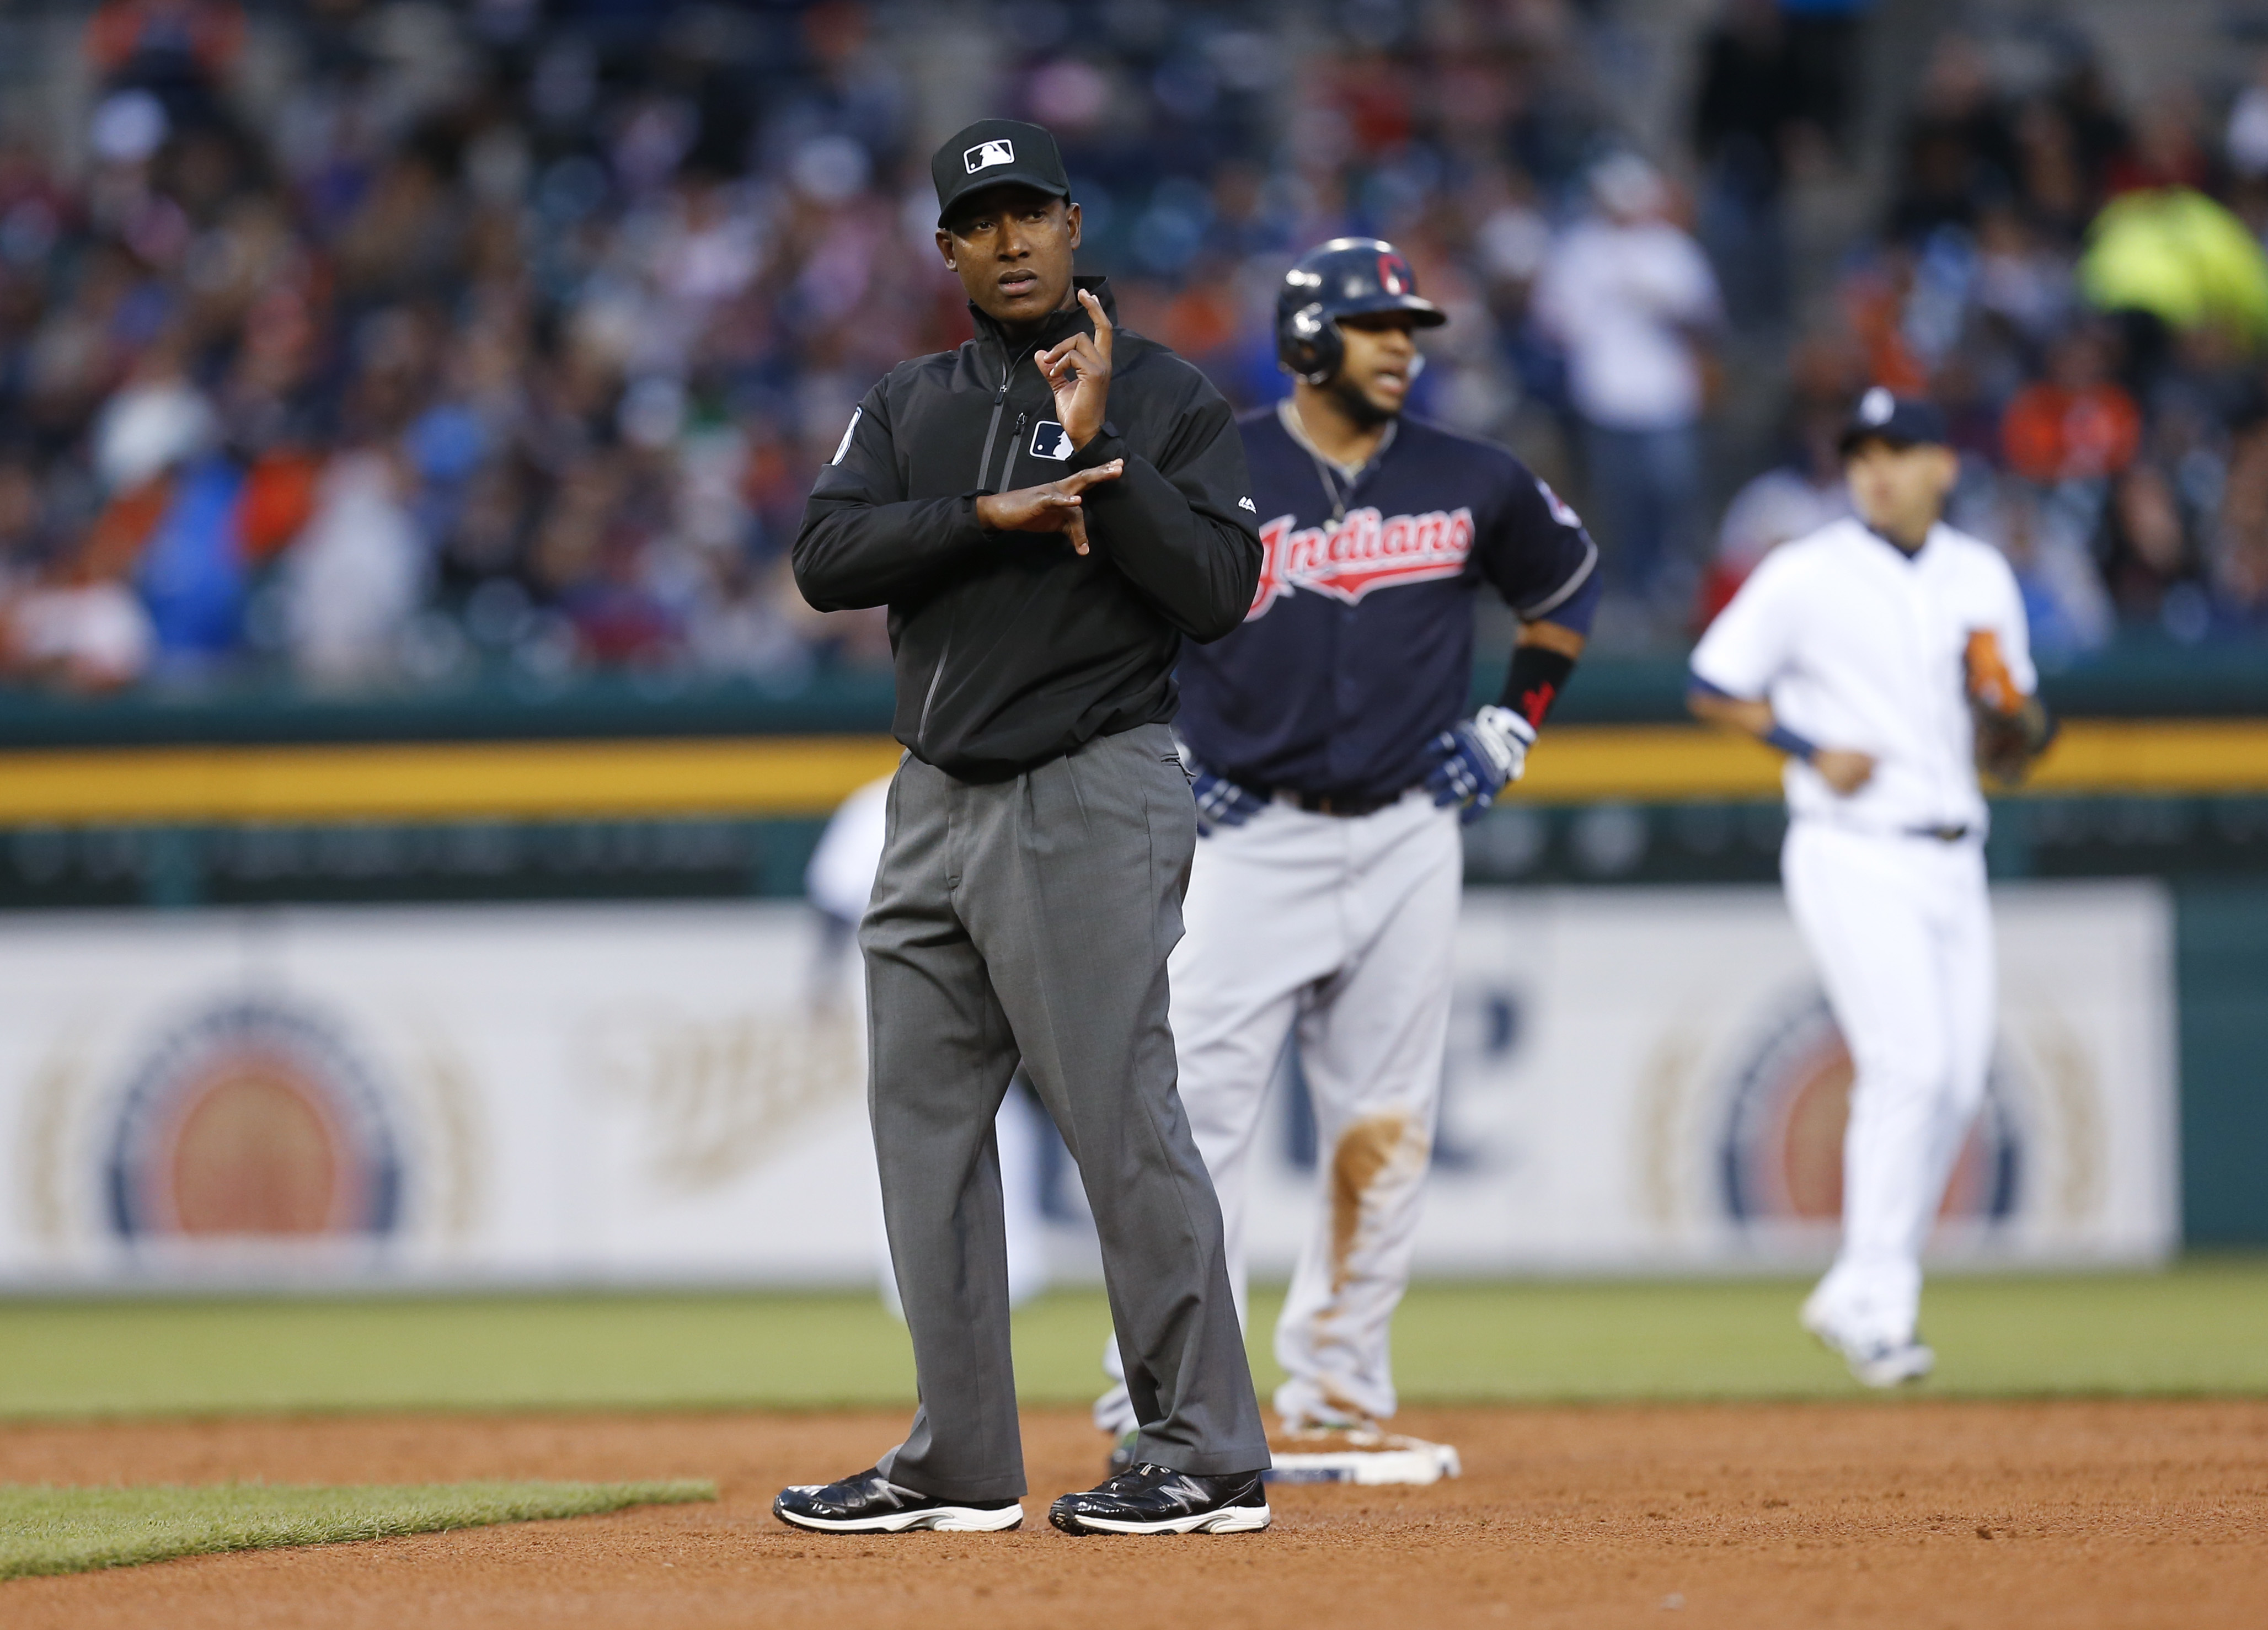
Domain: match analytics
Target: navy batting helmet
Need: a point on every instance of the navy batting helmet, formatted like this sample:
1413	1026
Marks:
1346	277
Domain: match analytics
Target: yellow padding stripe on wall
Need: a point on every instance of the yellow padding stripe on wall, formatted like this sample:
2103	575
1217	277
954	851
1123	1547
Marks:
761	776
810	775
1668	762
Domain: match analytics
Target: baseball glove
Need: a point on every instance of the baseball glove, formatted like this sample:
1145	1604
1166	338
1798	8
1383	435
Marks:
2008	744
2013	729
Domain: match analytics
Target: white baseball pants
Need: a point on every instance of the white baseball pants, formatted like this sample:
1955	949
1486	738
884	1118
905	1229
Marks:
1901	928
1340	928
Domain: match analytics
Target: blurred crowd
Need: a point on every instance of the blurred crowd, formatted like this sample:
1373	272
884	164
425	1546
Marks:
2080	282
386	343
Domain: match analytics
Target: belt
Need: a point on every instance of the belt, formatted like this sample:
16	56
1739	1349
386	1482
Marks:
1943	834
1323	803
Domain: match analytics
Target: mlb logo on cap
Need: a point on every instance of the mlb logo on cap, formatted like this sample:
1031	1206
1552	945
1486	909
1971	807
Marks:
995	152
984	155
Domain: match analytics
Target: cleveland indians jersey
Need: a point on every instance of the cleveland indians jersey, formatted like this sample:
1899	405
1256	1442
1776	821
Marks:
1358	648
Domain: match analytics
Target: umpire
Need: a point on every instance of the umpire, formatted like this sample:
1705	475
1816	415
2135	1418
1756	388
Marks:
1046	512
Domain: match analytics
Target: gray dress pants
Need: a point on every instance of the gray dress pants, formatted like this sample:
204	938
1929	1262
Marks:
1030	918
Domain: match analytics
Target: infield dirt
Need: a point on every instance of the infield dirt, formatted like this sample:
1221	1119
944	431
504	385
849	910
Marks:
1908	1513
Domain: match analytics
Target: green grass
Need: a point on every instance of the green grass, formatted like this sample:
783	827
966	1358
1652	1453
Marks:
2201	1327
70	1530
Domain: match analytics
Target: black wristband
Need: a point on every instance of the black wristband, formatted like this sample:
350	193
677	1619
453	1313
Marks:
1538	675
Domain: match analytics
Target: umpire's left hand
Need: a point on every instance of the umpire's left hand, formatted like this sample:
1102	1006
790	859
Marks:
1078	372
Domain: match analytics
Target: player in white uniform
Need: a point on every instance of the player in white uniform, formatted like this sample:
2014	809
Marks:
1887	655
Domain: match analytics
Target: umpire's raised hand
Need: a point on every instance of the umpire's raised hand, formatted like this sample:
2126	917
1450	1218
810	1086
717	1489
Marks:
1078	370
1053	508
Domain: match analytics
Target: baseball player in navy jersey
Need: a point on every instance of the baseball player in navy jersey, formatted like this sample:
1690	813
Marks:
1332	764
1887	655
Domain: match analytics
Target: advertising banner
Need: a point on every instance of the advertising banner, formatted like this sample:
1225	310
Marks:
1650	1080
1639	1080
518	1093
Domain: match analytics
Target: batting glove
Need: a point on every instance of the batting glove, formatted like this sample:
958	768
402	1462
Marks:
1479	759
1220	801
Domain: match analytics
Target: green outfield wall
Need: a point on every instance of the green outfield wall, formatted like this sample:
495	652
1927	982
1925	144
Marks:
165	817
2221	974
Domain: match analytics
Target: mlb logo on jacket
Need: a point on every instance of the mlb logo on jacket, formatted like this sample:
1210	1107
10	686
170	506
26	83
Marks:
1050	440
984	155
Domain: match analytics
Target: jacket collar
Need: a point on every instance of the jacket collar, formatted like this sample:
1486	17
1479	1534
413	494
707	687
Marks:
1060	325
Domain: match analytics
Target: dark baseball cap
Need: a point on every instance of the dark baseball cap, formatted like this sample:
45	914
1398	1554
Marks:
1900	421
995	152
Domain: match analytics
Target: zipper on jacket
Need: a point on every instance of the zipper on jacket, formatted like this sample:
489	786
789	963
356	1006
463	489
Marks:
992	430
983	463
921	726
1008	459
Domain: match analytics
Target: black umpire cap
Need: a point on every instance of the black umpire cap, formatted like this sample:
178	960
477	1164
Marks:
995	152
1896	421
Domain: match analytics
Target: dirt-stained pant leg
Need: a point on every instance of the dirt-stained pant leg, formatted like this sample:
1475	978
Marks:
1064	886
941	1056
1346	925
1370	1042
1264	924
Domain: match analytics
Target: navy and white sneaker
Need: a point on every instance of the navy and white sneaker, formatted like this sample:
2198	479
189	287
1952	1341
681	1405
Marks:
1889	1363
1874	1361
870	1503
1146	1499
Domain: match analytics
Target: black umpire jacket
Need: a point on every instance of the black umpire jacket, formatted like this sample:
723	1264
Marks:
1011	649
